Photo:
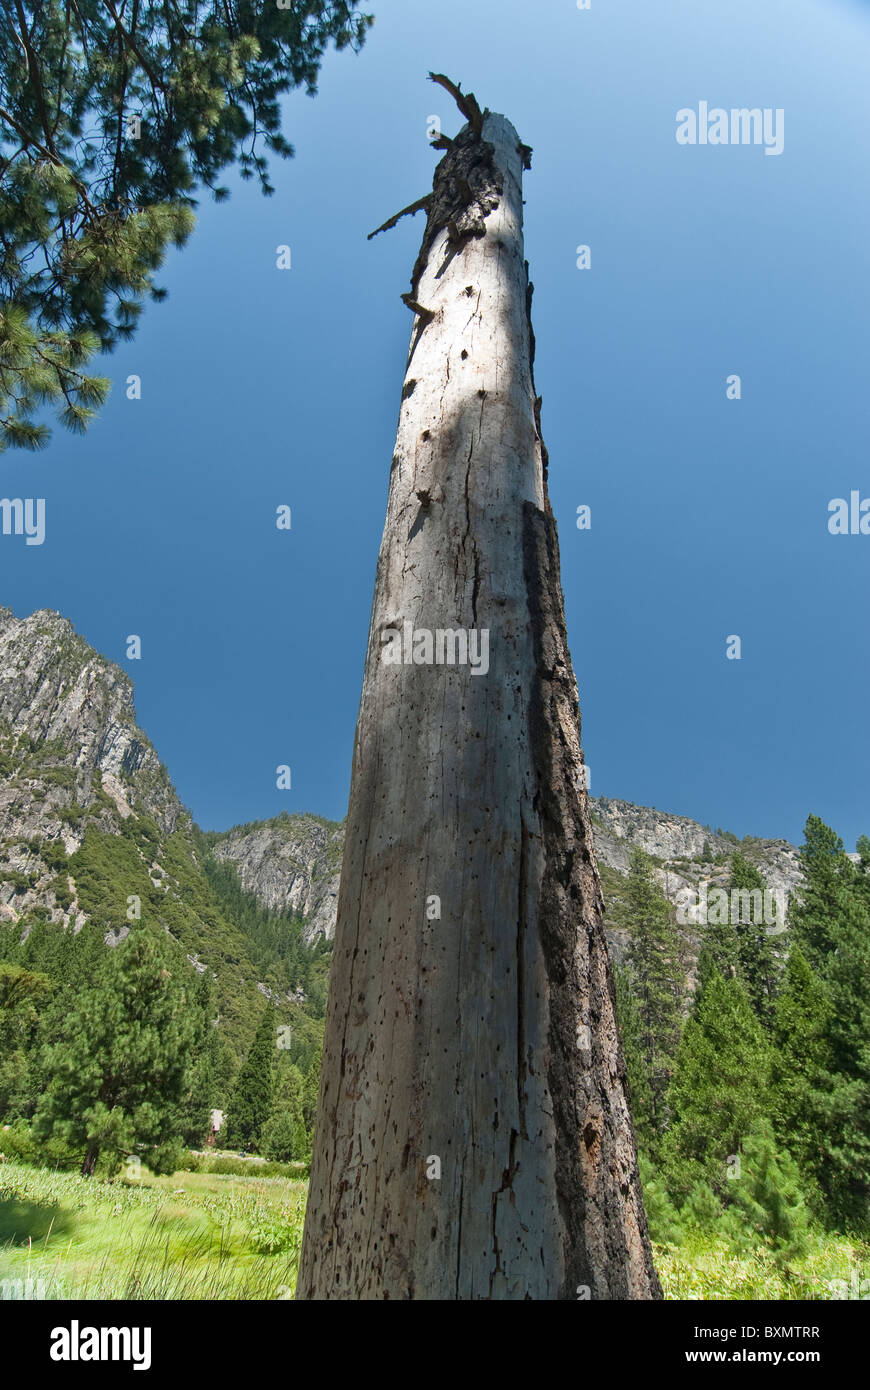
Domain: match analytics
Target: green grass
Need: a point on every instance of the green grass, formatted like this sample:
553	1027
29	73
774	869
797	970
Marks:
707	1269
213	1236
190	1236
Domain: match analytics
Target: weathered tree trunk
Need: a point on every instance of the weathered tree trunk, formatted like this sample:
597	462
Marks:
484	1039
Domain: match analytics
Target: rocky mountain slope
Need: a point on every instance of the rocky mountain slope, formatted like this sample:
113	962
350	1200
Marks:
686	855
290	864
681	845
90	823
295	861
82	788
68	737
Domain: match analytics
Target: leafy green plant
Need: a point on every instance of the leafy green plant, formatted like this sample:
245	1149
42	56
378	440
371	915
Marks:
274	1238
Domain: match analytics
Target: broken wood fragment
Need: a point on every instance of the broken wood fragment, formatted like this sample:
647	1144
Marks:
422	204
426	314
466	101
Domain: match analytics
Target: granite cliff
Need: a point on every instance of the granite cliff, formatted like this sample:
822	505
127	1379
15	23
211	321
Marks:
295	861
289	864
77	769
91	829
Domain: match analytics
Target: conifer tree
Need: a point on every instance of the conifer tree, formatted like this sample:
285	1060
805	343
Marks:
718	953
862	877
756	960
735	941
847	975
631	1035
814	911
657	978
830	922
766	1199
251	1100
284	1135
204	1077
118	1075
310	1090
22	995
111	115
719	1087
800	1066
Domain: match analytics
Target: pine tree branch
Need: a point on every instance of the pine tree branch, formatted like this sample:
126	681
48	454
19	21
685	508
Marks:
16	36
30	143
35	78
157	83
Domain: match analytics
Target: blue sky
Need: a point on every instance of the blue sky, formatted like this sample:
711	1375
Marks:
709	516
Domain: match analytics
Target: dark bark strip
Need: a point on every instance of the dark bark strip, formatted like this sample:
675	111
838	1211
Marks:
593	1202
466	189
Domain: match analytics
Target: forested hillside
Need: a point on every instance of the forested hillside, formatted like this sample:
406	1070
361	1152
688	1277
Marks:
746	1048
95	851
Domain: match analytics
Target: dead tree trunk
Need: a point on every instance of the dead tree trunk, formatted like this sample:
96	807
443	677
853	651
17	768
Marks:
473	1136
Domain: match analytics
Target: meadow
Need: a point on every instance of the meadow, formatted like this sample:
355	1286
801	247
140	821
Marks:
188	1236
198	1235
705	1268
